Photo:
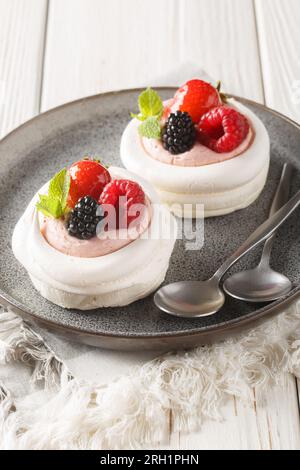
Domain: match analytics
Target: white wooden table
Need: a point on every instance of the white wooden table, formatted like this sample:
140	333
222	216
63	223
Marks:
54	51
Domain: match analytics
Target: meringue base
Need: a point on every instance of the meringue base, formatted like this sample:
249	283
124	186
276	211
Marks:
116	297
215	204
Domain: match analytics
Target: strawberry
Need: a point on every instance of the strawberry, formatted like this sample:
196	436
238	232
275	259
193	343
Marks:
88	178
222	129
196	97
123	194
168	109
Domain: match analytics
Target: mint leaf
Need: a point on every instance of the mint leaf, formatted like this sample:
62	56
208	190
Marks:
51	207
65	191
150	103
151	109
56	186
150	128
54	203
140	117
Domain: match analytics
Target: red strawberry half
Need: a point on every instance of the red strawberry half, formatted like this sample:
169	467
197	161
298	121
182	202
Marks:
222	129
196	97
88	178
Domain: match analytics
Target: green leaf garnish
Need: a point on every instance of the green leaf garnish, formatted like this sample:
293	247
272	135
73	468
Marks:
60	185
54	204
151	109
140	117
49	207
150	103
150	128
65	190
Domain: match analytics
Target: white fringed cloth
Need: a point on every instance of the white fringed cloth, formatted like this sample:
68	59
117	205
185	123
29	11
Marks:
47	403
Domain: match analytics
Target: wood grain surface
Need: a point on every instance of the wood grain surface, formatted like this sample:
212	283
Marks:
55	51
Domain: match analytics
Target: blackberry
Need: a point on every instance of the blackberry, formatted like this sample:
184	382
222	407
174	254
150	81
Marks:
83	220
179	133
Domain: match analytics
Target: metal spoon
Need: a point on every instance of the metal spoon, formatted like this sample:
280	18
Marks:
263	284
202	298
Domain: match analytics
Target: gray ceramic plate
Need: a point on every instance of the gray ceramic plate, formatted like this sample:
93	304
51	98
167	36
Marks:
29	157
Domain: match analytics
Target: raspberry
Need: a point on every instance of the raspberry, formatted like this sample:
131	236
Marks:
222	129
131	194
196	97
88	178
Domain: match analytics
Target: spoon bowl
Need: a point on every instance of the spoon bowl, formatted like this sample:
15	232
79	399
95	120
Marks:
194	299
190	299
261	284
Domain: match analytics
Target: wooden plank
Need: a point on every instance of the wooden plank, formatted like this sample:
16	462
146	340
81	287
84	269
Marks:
270	421
279	38
265	421
277	416
236	431
298	392
97	48
22	24
94	46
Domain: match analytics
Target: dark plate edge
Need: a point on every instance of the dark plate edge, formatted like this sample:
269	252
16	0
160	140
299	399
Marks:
165	341
207	331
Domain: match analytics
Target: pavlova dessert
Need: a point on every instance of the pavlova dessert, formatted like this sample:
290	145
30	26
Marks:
95	237
198	149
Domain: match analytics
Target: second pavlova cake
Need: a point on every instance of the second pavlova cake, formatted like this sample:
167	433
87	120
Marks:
198	150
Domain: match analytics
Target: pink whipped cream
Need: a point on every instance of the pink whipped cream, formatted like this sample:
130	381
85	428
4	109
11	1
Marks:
199	155
55	233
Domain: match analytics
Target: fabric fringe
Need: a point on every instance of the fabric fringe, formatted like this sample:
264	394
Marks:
135	410
18	342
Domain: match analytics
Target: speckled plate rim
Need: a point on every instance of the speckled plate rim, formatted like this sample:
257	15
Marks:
266	311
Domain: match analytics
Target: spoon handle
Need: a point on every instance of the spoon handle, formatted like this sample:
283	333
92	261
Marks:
280	198
260	234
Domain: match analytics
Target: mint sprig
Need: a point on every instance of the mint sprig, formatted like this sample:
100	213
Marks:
151	109
54	204
150	128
